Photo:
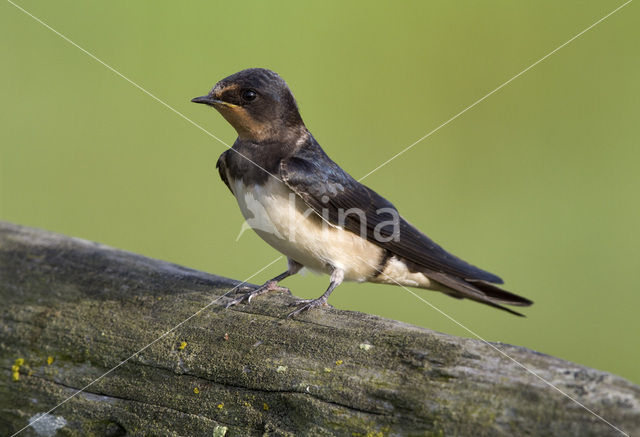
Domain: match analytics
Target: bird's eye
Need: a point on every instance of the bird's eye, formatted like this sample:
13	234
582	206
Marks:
249	95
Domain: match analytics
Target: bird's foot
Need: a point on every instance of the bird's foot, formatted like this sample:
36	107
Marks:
249	293
308	304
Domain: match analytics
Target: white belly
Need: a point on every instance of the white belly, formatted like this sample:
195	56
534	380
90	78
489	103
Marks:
283	220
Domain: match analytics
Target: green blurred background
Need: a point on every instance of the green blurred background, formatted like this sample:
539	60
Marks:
539	183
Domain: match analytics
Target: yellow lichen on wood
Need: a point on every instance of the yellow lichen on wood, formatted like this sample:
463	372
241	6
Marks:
15	369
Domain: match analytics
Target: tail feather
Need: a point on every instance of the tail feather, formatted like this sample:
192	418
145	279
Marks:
500	307
480	291
500	295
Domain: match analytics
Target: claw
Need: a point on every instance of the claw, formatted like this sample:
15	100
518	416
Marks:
309	304
253	292
244	289
232	303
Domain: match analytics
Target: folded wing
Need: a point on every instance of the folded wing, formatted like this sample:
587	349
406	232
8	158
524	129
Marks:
329	190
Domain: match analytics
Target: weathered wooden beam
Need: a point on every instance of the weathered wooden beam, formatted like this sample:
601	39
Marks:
72	310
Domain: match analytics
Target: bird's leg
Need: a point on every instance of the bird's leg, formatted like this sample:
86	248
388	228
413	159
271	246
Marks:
337	276
270	285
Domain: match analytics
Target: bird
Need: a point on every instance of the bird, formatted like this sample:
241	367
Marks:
307	207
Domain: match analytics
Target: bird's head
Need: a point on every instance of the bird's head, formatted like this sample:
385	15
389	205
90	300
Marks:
258	104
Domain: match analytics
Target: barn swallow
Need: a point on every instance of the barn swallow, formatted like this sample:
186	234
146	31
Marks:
308	208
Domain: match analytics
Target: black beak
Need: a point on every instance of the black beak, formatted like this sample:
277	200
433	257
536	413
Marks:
205	99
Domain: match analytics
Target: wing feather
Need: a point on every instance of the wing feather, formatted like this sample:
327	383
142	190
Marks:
222	169
331	192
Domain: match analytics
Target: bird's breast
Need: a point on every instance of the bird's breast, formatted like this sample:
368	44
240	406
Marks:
283	220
